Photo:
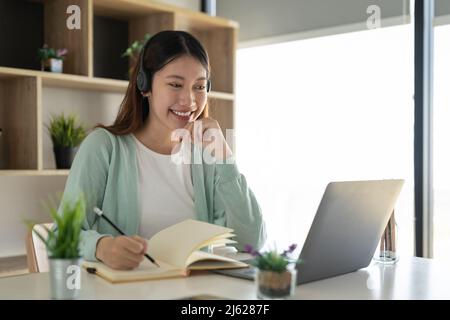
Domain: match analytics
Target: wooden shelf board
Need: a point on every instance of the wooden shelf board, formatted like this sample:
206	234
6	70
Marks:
13	266
200	21
83	82
126	9
67	80
31	173
221	95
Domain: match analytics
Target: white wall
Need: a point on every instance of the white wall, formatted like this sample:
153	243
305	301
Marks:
442	12
20	198
91	107
442	7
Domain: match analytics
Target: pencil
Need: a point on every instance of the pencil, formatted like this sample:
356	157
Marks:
101	214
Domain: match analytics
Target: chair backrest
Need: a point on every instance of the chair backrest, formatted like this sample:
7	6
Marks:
36	251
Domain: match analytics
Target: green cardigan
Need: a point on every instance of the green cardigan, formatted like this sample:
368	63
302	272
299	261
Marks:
105	170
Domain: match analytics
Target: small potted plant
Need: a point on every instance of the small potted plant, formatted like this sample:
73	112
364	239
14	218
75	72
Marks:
275	279
51	59
66	136
133	51
62	243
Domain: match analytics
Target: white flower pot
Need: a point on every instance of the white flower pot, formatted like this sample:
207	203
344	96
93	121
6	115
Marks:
65	278
52	65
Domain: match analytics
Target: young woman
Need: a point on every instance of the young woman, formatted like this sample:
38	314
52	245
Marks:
128	169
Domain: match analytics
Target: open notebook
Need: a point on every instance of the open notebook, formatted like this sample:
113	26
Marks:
177	251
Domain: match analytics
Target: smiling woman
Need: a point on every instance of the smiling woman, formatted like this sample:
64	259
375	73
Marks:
179	96
127	169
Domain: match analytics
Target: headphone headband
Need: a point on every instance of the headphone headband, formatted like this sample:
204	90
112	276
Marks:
142	80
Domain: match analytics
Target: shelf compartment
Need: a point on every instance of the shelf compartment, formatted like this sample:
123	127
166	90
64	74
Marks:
46	22
90	108
110	41
21	53
77	41
112	36
19	118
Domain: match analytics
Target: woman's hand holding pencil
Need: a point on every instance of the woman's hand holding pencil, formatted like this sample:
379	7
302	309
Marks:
121	252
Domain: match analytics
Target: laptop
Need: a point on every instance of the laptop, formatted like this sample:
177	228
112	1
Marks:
345	231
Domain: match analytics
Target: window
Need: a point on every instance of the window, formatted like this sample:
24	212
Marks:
325	109
441	143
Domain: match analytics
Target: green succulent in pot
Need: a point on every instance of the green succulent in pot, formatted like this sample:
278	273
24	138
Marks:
274	278
62	243
66	136
52	59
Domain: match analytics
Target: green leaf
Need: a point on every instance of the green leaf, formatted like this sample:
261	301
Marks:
64	240
273	261
133	50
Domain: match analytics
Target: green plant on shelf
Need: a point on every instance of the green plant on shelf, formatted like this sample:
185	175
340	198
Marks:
46	53
52	59
274	280
133	51
135	48
65	132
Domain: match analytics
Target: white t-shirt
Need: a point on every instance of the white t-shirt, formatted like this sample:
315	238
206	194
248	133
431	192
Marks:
165	190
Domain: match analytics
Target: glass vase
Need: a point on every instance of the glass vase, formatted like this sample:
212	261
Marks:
387	249
275	285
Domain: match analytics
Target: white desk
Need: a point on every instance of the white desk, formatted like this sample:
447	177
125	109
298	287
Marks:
410	278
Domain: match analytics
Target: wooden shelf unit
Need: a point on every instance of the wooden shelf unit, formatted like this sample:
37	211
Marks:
21	89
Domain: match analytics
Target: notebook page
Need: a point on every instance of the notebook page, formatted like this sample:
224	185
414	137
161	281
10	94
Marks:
200	260
174	244
217	242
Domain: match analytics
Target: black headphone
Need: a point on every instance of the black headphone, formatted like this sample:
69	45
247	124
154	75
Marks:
144	81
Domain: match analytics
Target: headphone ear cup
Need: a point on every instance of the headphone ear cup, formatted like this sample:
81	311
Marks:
142	81
208	86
